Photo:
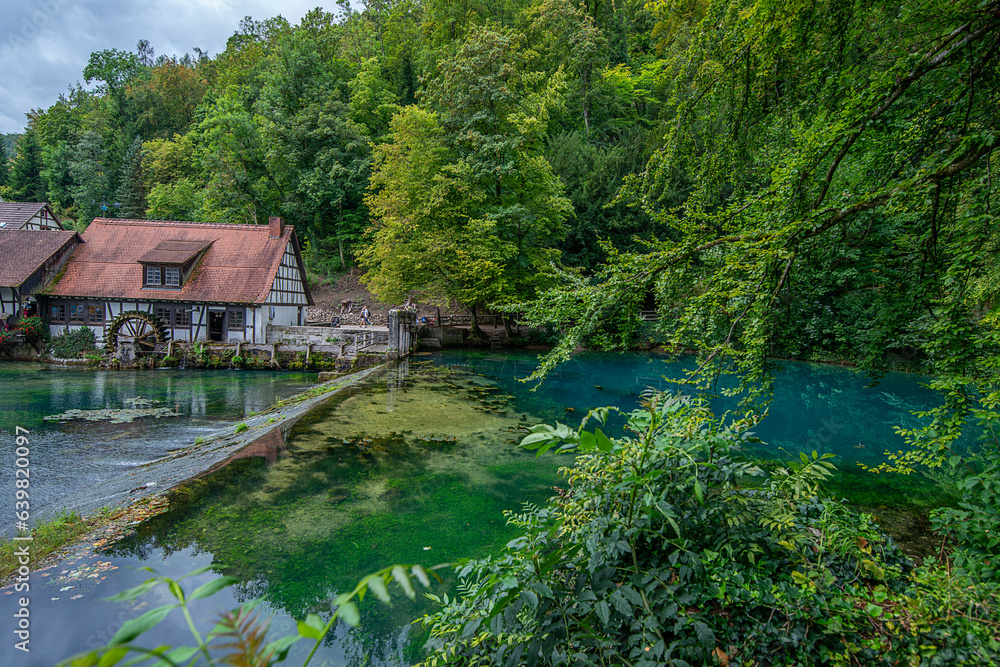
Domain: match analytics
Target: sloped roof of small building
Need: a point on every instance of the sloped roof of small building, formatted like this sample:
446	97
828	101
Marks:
239	265
174	252
24	251
13	214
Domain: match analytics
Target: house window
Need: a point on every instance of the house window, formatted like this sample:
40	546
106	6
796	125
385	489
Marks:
162	276
95	314
57	313
236	319
174	316
77	313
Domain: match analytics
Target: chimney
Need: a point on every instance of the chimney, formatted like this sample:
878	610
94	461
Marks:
275	228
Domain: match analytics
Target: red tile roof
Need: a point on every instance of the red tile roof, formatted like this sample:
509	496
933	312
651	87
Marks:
24	251
238	267
174	252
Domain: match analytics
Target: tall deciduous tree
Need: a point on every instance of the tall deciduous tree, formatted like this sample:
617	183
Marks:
573	41
469	186
316	152
425	240
494	110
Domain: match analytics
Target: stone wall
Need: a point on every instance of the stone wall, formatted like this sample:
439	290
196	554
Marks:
402	332
288	335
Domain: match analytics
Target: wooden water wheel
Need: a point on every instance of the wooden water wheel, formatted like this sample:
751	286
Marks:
144	328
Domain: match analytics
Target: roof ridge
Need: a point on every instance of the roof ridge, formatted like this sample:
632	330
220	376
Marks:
175	223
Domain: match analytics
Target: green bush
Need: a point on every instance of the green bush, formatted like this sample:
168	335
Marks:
661	552
71	344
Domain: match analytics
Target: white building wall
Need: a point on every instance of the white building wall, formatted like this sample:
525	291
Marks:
41	220
198	329
288	287
7	300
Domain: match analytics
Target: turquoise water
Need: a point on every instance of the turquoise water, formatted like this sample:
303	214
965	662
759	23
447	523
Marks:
417	466
815	406
69	457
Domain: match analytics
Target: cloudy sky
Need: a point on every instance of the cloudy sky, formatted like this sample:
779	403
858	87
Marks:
45	44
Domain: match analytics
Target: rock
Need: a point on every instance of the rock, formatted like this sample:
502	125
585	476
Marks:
326	376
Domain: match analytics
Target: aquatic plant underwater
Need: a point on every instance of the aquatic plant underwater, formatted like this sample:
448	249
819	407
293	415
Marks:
667	547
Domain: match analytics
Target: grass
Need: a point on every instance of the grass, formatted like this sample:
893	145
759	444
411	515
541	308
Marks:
242	426
46	538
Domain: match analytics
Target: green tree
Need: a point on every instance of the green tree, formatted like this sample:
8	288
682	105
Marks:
3	165
424	240
239	186
57	159
88	168
317	154
494	110
181	199
372	101
573	41
131	194
26	181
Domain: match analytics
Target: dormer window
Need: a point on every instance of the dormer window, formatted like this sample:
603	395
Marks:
163	276
169	264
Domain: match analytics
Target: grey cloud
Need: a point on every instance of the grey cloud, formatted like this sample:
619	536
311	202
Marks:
45	44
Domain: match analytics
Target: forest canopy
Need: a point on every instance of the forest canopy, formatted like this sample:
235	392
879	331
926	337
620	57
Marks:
804	180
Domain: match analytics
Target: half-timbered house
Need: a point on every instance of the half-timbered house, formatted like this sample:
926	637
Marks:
28	259
28	215
200	281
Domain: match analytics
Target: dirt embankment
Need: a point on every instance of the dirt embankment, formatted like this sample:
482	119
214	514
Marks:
329	295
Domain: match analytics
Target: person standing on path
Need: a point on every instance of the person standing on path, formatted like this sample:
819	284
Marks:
365	317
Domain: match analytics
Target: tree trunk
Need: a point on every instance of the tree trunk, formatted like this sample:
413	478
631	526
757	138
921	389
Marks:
477	332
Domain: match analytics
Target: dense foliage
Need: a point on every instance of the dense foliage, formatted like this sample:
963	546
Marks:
539	116
71	344
668	548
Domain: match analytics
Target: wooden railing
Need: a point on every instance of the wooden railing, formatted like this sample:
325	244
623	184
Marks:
462	320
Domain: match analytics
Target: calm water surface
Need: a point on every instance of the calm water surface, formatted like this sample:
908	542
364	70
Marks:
68	457
415	467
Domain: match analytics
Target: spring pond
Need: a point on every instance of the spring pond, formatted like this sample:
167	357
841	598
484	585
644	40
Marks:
416	465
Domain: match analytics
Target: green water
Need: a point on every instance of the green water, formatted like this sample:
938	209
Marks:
418	467
401	471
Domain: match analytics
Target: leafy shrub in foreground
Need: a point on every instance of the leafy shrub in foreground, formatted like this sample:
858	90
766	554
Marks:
661	552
